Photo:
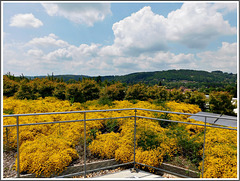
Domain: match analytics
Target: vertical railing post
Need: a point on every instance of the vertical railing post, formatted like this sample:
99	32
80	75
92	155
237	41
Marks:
7	144
134	151
204	146
18	153
85	145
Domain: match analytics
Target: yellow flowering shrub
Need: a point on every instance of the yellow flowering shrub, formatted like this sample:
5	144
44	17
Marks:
44	151
183	108
220	154
124	153
152	157
46	155
151	142
105	145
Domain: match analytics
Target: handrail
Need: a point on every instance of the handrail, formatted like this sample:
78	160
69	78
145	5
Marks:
107	110
123	117
69	112
31	124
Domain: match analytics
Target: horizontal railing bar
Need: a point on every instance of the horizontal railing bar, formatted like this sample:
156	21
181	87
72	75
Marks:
110	118
157	119
31	124
189	114
125	109
70	112
124	117
94	170
173	173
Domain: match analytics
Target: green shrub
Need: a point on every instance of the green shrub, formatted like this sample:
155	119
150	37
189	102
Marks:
26	91
115	91
111	125
10	87
105	101
74	92
60	91
136	91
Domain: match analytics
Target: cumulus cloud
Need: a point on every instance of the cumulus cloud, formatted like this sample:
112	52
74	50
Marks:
197	24
194	25
142	31
81	13
59	54
92	60
25	20
226	7
35	52
141	44
225	58
47	41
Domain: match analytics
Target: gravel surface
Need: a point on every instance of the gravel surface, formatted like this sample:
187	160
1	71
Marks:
8	165
99	173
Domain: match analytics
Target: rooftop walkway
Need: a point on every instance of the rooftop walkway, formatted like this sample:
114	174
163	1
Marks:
127	174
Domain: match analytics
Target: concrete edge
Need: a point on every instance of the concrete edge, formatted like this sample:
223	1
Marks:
112	162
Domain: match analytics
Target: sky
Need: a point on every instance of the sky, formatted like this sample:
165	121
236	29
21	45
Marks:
118	38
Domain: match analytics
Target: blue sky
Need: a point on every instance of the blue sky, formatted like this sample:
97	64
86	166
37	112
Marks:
118	38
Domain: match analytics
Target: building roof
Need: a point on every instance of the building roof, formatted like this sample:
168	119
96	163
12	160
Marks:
217	119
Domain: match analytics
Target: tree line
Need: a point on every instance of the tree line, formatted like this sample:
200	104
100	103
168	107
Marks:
106	92
201	81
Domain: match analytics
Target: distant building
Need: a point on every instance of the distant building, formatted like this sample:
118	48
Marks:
184	89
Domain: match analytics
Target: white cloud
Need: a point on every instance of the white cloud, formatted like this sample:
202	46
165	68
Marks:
140	44
224	59
25	20
196	25
81	13
59	55
17	60
95	60
225	7
50	41
35	52
142	31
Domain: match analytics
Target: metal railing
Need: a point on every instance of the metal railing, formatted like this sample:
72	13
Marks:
135	116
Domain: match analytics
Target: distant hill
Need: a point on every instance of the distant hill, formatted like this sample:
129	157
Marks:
170	78
174	76
64	77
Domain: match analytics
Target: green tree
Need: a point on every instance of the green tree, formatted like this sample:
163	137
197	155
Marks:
176	95
99	80
197	98
25	91
10	87
74	93
136	91
90	89
45	87
163	94
60	91
152	92
71	81
114	92
221	102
